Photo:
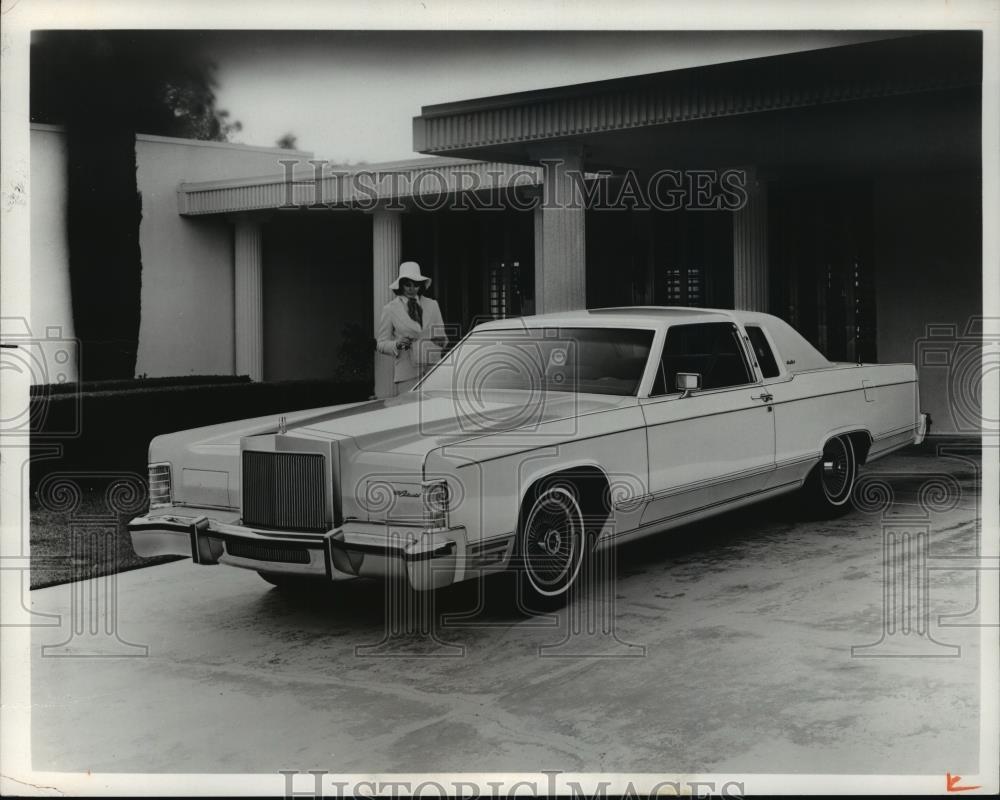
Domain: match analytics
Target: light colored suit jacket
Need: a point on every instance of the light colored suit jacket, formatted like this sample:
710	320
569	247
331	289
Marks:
396	322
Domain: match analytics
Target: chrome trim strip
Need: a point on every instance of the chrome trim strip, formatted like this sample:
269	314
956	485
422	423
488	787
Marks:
439	550
644	401
730	501
627	505
751	405
568	440
181	502
705	483
163	524
251	532
791	462
501	537
895	432
845	391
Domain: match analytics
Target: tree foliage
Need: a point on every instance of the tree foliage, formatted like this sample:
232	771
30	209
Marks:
156	82
104	87
288	142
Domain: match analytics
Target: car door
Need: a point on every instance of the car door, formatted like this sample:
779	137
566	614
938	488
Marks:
795	450
716	444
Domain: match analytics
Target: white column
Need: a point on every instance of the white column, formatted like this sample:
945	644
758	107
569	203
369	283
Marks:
750	279
387	244
560	239
248	274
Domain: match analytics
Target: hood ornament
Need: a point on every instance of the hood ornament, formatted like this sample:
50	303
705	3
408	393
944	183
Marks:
282	425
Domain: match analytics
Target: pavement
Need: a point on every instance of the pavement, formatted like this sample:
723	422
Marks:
739	645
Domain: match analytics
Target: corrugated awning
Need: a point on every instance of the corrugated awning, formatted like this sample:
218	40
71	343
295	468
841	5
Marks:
359	187
505	126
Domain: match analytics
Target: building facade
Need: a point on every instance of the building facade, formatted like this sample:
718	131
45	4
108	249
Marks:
837	188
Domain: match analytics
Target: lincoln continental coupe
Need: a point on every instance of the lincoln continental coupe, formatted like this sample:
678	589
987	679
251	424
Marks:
533	443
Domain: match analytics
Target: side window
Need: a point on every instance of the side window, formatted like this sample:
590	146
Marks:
765	357
710	349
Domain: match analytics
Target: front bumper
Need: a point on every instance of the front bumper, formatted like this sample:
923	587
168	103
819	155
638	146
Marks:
427	559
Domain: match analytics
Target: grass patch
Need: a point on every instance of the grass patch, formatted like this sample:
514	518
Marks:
87	541
101	433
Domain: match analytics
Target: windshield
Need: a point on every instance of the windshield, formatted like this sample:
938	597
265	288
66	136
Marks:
592	360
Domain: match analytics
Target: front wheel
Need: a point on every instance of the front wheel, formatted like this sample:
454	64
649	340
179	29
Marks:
829	486
551	548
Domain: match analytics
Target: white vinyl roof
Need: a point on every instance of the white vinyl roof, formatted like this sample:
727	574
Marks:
624	317
795	352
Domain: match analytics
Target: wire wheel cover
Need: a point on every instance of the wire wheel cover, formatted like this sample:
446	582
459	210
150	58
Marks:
553	541
837	469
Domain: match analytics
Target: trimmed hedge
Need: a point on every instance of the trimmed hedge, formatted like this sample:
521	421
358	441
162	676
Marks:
103	433
122	384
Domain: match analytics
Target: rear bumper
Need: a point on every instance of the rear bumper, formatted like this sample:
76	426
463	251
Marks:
923	425
426	559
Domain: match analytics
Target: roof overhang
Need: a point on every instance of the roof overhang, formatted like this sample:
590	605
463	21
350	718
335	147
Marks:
317	185
516	127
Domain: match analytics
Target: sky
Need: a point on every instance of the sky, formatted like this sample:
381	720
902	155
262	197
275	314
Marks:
350	96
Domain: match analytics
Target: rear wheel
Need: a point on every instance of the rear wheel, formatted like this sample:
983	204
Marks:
829	486
551	548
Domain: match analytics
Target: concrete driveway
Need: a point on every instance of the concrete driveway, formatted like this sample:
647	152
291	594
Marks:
731	651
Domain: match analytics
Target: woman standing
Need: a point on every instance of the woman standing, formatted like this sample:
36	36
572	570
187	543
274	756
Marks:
411	328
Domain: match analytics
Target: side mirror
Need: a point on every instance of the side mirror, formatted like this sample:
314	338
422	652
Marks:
688	382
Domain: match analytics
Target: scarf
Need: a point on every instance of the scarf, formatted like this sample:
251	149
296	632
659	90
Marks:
415	311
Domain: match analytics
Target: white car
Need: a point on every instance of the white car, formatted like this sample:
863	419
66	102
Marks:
531	443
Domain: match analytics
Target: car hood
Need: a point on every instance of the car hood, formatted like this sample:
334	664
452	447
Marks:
395	434
417	422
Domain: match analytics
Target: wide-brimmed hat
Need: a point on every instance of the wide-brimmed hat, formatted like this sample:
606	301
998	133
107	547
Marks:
410	270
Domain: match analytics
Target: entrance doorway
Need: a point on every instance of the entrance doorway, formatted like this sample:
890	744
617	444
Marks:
822	271
655	257
482	263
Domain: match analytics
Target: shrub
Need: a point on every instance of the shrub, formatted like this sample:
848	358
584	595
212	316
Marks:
95	434
120	384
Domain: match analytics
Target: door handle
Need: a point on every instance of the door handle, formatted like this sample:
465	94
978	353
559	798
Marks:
765	397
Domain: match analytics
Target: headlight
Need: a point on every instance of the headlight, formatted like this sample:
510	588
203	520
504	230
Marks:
160	485
436	501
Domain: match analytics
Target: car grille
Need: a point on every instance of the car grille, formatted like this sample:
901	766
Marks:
267	552
284	491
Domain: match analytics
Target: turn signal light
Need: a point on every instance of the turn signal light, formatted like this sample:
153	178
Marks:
160	485
436	501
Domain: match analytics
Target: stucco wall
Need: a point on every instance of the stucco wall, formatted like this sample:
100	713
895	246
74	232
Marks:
51	306
928	246
187	264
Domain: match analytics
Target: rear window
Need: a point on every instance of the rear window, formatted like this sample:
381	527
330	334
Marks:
765	356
